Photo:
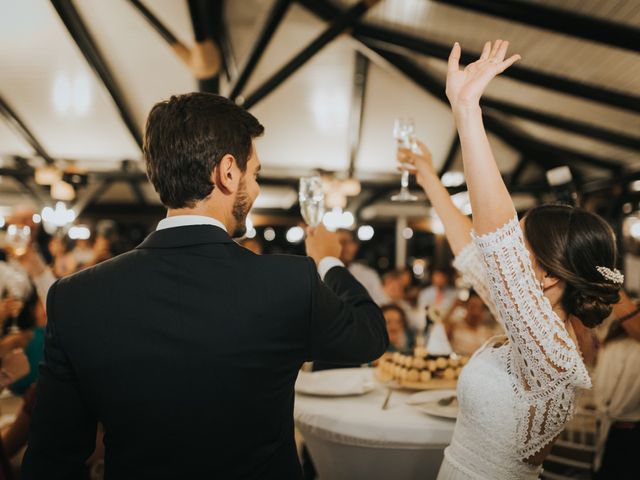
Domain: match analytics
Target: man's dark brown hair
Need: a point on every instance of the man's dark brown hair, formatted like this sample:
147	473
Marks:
187	136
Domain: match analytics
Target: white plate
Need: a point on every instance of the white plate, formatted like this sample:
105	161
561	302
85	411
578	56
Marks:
336	383
427	402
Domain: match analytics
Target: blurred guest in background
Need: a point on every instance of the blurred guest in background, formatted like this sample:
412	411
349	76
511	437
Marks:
471	330
31	323
393	287
367	276
64	261
22	320
440	293
616	388
83	253
400	337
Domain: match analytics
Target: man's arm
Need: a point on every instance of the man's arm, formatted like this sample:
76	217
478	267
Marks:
63	429
346	324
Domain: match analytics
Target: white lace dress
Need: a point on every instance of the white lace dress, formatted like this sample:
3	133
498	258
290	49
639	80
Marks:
514	398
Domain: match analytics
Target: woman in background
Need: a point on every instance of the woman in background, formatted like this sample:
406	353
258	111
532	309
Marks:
400	338
616	385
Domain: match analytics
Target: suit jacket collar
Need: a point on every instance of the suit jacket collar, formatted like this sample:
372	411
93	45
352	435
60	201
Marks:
185	236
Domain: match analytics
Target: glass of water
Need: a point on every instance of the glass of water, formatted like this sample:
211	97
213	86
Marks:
404	133
311	197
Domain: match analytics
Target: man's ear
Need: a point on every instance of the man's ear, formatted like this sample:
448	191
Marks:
226	175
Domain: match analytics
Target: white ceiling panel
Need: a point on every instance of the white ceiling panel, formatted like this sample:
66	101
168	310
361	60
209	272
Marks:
141	61
11	143
390	95
52	88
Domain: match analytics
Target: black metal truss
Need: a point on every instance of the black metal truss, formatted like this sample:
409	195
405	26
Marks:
87	45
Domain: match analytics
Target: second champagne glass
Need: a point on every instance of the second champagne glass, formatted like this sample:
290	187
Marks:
311	197
404	133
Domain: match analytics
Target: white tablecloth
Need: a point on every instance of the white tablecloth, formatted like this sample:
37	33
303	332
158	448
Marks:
352	437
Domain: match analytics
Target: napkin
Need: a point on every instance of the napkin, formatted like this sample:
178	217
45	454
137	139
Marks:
335	382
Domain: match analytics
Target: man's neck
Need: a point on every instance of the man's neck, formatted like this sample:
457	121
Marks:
203	212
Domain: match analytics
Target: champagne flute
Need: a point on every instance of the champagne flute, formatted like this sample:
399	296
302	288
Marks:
404	133
311	198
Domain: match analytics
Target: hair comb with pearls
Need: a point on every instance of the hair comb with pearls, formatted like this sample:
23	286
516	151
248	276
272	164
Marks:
614	275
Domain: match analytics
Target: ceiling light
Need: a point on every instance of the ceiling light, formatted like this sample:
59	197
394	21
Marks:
47	175
62	191
365	233
453	179
295	235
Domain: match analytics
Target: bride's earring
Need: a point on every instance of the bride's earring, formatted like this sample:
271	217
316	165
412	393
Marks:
542	285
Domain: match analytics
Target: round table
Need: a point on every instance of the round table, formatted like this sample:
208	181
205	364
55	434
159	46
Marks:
352	437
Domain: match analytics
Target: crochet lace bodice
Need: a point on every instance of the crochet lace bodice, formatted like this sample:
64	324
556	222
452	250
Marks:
520	394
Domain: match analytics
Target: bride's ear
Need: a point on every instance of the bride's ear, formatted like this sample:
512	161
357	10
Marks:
549	281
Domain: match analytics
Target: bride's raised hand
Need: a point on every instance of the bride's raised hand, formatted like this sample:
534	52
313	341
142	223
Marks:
465	87
422	162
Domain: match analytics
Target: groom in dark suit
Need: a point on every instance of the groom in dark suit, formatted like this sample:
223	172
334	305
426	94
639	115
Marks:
187	349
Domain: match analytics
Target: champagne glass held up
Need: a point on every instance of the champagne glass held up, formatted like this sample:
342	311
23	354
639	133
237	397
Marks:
404	133
311	198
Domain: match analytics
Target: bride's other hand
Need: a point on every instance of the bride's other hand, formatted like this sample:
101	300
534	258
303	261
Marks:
423	162
465	87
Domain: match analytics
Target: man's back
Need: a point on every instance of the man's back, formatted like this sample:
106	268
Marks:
187	350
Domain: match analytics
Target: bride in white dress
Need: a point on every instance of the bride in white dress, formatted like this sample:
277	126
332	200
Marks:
555	267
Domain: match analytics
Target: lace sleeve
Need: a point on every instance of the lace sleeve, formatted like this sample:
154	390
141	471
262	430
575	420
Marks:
543	361
470	264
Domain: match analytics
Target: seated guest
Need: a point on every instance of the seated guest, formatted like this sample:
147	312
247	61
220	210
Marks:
616	388
394	285
440	293
472	331
400	337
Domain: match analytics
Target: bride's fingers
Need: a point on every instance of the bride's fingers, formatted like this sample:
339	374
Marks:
404	155
486	51
454	58
502	52
494	50
508	62
423	148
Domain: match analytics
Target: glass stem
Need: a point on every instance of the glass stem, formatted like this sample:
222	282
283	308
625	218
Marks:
404	181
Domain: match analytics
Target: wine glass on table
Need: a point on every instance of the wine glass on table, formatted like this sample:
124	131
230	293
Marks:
404	133
311	198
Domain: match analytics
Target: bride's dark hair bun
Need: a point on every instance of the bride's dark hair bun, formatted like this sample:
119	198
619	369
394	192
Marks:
592	304
569	243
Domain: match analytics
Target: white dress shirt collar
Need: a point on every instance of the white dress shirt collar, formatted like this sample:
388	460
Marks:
189	220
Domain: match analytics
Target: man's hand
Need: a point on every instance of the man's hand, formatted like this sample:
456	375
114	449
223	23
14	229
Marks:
321	243
15	365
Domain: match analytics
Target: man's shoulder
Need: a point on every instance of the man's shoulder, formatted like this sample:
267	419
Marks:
280	261
114	266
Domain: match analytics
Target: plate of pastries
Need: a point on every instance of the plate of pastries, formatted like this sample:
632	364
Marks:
420	371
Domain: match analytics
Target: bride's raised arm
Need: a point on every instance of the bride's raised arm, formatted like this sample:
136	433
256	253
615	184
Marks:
490	201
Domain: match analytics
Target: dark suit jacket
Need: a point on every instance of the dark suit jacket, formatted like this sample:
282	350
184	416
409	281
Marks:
187	350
